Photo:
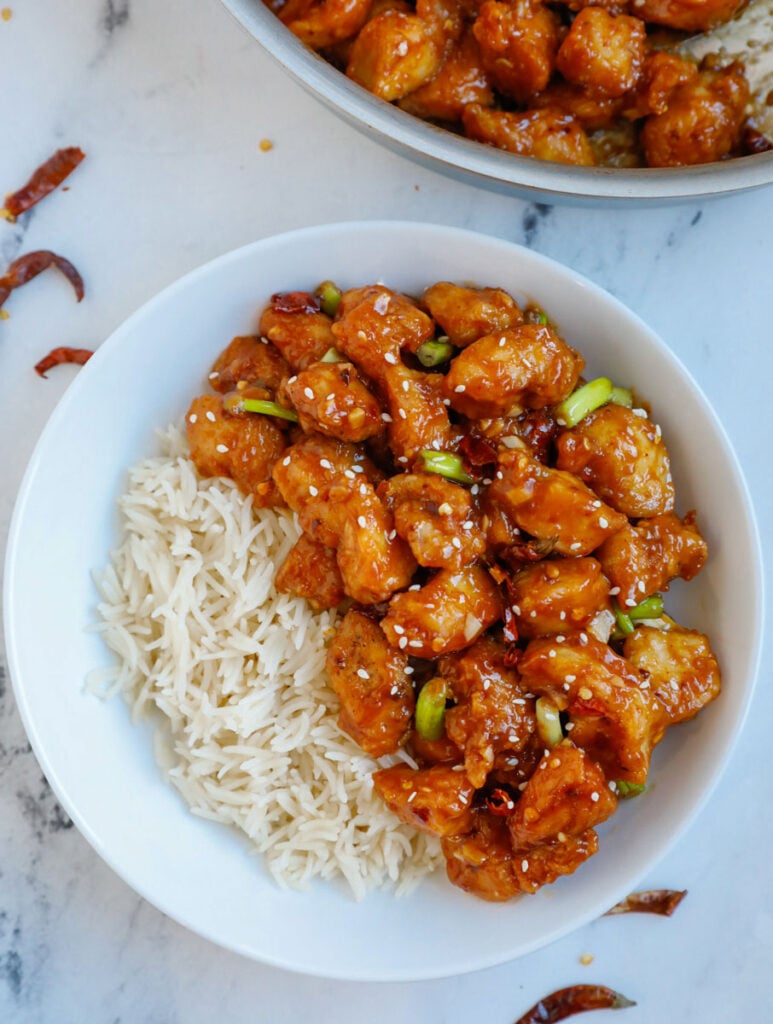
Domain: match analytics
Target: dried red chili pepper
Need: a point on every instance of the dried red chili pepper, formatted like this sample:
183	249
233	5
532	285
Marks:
45	179
538	430
26	267
651	901
575	999
295	302
500	802
477	451
57	356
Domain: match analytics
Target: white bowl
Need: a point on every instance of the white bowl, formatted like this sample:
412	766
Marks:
102	767
480	164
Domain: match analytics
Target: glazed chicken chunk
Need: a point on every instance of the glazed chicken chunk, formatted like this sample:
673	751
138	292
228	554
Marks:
370	681
436	800
310	570
621	456
558	596
331	398
466	314
294	323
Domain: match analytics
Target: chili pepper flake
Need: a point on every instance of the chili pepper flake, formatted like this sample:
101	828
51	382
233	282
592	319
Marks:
27	267
44	180
57	356
651	901
575	999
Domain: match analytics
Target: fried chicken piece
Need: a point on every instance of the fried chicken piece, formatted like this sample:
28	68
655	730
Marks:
294	323
310	570
548	134
623	458
518	43
394	54
244	448
466	314
461	80
558	596
437	800
603	52
418	416
253	360
331	398
369	678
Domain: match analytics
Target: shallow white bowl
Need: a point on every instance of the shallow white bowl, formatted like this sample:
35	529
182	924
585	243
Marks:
102	768
484	165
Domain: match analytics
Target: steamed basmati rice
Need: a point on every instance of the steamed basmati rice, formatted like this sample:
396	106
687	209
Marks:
237	671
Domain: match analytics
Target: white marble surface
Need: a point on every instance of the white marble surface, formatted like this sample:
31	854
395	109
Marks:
170	101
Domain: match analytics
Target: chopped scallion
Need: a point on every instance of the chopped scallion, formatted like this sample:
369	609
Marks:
623	619
445	464
329	295
333	356
626	790
268	409
649	608
433	353
431	709
583	401
621	396
548	722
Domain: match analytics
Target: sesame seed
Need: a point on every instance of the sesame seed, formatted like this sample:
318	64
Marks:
576	546
412	797
560	638
308	392
486	481
406	386
516	609
402	458
613	786
456	543
348	474
570	678
603	522
467	524
363	489
562	615
613	591
569	726
500	475
595	504
460	388
214	375
474	489
522	786
192	418
223	448
415	643
415	586
398	629
391	358
594	797
502	342
524	865
292	380
583	639
326	464
362	521
446	401
641	413
394	691
512	738
211	416
313	491
357	469
567	687
486	684
445	509
330	397
518	700
286	460
402	414
409	670
392	534
533	613
561	837
551	653
402	643
630	602
640	586
363	673
386	417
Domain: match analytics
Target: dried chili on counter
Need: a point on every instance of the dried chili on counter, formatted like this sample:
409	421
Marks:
575	999
652	901
57	356
45	179
26	267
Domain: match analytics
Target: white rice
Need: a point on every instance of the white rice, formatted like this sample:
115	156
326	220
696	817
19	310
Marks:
237	671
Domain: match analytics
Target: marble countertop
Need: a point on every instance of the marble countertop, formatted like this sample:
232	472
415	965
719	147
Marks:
171	101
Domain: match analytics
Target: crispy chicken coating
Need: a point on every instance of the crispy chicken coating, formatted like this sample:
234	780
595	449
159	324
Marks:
688	15
679	665
395	54
622	457
642	559
558	596
244	448
523	367
484	862
251	360
294	323
310	570
552	504
437	800
702	122
461	80
321	23
567	795
369	679
331	398
518	43
374	324
491	715
418	416
613	718
447	614
466	314
373	560
436	517
548	134
603	52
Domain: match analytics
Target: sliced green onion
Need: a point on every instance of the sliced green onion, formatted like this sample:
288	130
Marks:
268	408
329	295
623	619
542	318
431	709
584	400
433	353
622	396
333	356
548	722
649	608
445	464
626	790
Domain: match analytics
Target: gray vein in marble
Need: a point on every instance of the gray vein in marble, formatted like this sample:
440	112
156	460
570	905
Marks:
533	217
115	14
